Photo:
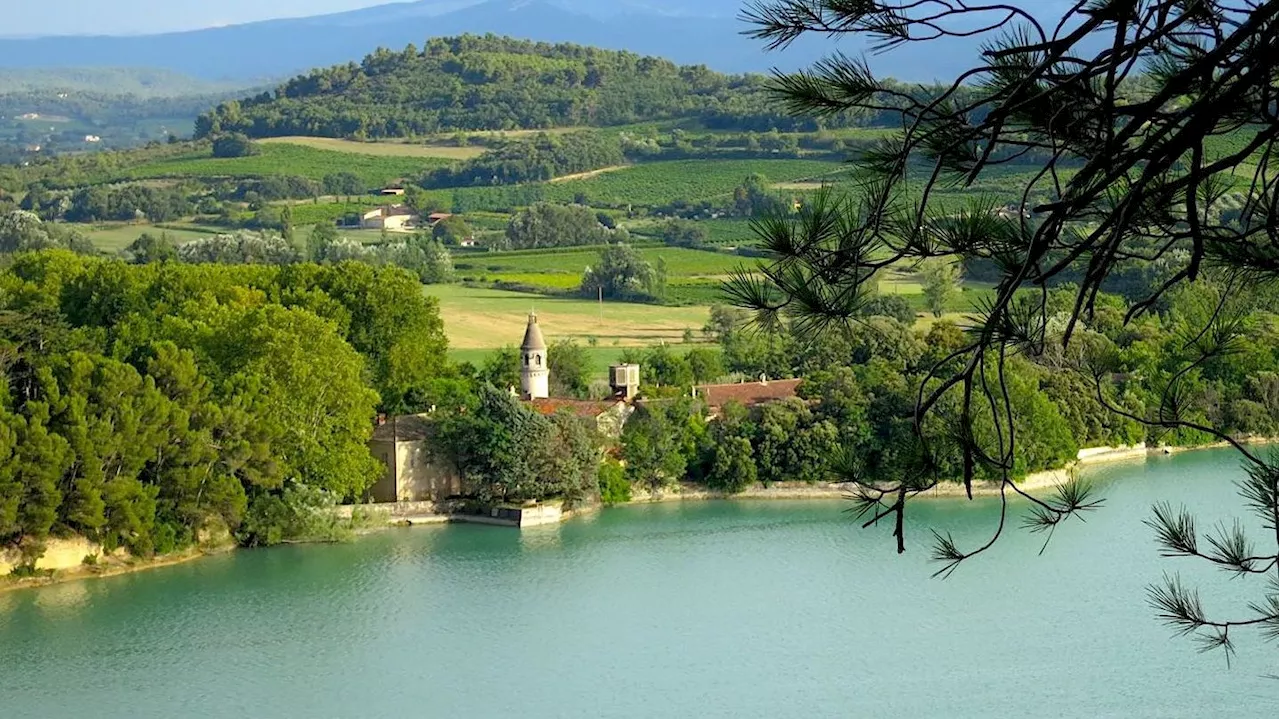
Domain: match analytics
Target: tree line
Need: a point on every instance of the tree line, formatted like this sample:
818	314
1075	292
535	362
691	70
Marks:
856	411
537	159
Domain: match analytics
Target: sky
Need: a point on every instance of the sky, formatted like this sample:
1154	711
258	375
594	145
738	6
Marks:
130	17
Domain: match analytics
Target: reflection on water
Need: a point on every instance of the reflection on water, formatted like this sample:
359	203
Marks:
540	539
63	600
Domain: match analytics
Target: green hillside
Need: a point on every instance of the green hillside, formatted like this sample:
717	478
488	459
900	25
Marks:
497	83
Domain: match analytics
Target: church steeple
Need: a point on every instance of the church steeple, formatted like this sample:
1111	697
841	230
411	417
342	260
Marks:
534	373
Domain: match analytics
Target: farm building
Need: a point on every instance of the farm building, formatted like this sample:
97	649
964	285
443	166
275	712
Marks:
393	218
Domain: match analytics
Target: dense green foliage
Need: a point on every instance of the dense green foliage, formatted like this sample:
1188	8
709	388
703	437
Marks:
373	171
144	403
546	225
687	181
234	144
479	83
21	230
509	453
856	414
127	202
499	83
541	157
619	273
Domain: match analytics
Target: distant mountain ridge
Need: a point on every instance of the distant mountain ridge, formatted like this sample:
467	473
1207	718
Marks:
145	82
274	48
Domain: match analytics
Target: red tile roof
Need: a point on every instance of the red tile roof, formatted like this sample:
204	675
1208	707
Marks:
581	407
748	393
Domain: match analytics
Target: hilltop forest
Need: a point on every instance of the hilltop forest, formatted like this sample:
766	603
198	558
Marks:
499	83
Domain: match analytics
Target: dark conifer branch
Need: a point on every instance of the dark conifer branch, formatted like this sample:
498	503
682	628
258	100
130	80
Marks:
1132	159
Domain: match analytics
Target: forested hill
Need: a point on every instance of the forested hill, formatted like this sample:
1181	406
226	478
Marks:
495	83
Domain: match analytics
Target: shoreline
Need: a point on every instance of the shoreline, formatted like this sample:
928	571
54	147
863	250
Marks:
111	567
1036	481
425	513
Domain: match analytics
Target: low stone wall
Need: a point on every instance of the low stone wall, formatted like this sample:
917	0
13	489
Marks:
426	512
395	510
531	516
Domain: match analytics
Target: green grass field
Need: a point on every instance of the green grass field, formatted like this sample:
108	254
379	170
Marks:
477	318
693	276
574	260
289	159
116	237
660	183
723	232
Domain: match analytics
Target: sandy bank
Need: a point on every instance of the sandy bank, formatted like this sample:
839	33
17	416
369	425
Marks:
58	571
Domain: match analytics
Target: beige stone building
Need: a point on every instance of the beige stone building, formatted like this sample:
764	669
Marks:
412	473
393	218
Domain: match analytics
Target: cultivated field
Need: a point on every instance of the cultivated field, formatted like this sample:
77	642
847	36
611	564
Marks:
574	260
661	183
116	237
486	319
378	149
289	159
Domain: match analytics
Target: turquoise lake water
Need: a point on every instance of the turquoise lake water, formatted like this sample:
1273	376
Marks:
701	609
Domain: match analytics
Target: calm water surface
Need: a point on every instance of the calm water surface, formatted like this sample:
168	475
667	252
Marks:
709	609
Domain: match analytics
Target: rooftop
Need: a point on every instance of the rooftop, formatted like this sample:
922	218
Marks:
748	393
589	409
533	335
404	428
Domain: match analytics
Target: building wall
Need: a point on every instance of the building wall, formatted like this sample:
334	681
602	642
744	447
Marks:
414	476
391	222
398	222
610	422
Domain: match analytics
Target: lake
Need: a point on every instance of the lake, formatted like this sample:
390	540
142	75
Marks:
700	609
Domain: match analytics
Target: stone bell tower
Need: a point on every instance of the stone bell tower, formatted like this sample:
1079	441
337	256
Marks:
534	373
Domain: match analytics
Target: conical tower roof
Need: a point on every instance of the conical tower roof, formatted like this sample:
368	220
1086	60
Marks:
533	335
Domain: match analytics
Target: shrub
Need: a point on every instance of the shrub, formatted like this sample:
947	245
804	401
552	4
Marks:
234	145
300	513
614	487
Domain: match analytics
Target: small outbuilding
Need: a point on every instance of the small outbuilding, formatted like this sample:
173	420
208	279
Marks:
394	218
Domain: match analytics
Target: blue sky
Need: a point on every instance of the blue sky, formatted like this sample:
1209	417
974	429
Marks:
113	17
